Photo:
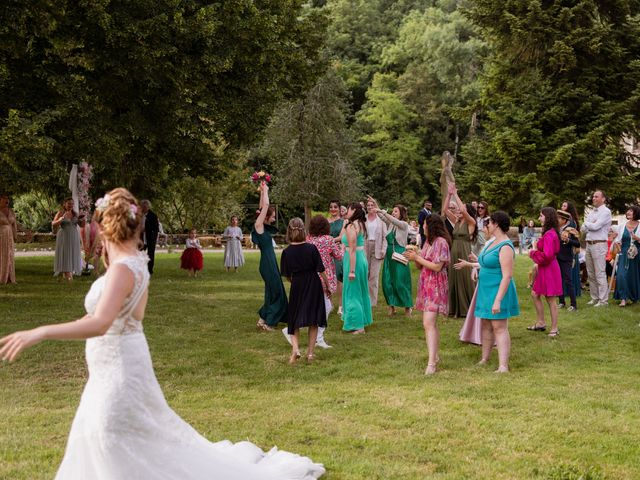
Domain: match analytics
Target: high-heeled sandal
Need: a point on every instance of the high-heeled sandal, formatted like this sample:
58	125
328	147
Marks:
431	369
294	358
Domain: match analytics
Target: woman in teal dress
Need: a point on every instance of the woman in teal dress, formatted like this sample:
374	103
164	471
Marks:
356	304
396	276
628	271
497	299
335	225
274	309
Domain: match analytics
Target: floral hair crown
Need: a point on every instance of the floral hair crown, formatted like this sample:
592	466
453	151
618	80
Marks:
103	203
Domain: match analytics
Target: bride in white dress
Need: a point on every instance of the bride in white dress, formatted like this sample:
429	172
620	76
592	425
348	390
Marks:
124	428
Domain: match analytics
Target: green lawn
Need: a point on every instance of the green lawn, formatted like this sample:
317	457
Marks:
570	406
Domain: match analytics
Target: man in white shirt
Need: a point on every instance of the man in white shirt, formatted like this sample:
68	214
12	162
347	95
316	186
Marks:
596	226
376	247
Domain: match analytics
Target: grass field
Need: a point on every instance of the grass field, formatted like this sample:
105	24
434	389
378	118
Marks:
570	408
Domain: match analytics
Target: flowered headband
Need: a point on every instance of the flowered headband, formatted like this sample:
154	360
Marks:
103	203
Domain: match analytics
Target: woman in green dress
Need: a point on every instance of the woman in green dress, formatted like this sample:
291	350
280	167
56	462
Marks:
274	309
396	276
356	304
463	218
335	224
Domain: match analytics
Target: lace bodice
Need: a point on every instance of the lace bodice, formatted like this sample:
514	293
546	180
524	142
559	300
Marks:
124	323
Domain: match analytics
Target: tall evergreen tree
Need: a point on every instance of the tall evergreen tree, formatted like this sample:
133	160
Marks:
312	150
561	91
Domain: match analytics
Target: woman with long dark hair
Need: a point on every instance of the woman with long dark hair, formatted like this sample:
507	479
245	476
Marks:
465	233
274	309
433	284
628	272
356	304
396	276
548	281
570	208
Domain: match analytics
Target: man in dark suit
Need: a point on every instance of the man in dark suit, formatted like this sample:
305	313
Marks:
422	215
150	232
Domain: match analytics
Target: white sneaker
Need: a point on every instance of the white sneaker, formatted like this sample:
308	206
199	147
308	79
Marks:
571	309
592	302
286	335
602	304
323	344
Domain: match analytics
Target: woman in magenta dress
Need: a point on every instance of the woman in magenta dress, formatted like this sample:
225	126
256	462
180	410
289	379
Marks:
548	281
433	284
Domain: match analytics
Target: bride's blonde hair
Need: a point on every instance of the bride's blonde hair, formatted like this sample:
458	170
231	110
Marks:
119	215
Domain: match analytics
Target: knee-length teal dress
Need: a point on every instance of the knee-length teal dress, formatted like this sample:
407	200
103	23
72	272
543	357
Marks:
489	280
356	304
335	229
396	277
274	309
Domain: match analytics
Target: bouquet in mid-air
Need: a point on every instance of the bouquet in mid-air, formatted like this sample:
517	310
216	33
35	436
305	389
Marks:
258	177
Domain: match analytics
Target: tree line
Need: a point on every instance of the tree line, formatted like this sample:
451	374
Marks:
181	100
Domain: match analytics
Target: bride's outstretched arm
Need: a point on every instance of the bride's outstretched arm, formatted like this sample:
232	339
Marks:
119	284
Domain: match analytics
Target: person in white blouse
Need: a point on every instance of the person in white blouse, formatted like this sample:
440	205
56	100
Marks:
596	226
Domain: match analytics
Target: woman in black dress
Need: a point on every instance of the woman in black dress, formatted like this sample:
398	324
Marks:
301	263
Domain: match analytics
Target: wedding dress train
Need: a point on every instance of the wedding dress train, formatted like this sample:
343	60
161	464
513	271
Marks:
124	428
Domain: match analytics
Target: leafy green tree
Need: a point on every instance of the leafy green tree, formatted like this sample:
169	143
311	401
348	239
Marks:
561	90
146	88
427	105
312	150
392	154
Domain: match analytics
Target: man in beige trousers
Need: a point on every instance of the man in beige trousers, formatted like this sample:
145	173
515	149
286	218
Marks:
376	247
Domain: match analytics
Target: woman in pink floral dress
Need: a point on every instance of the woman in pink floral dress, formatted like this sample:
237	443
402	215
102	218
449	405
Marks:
433	285
319	235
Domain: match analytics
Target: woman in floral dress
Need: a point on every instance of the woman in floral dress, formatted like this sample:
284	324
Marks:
433	285
331	253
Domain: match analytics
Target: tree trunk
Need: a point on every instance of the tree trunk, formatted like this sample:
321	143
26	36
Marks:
307	215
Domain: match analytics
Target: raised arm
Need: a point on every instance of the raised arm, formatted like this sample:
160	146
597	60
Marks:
119	284
390	219
546	254
264	207
463	209
446	212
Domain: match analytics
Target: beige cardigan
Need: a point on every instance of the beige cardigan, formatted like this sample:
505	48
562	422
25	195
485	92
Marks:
399	226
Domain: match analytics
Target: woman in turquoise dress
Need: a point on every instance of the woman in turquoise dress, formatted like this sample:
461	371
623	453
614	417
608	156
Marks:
356	304
628	271
396	276
497	299
335	230
274	309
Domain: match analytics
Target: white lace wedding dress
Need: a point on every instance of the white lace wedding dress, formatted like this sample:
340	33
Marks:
124	428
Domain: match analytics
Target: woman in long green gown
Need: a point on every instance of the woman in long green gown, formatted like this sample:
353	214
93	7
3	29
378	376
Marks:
396	276
274	309
335	224
356	304
463	218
